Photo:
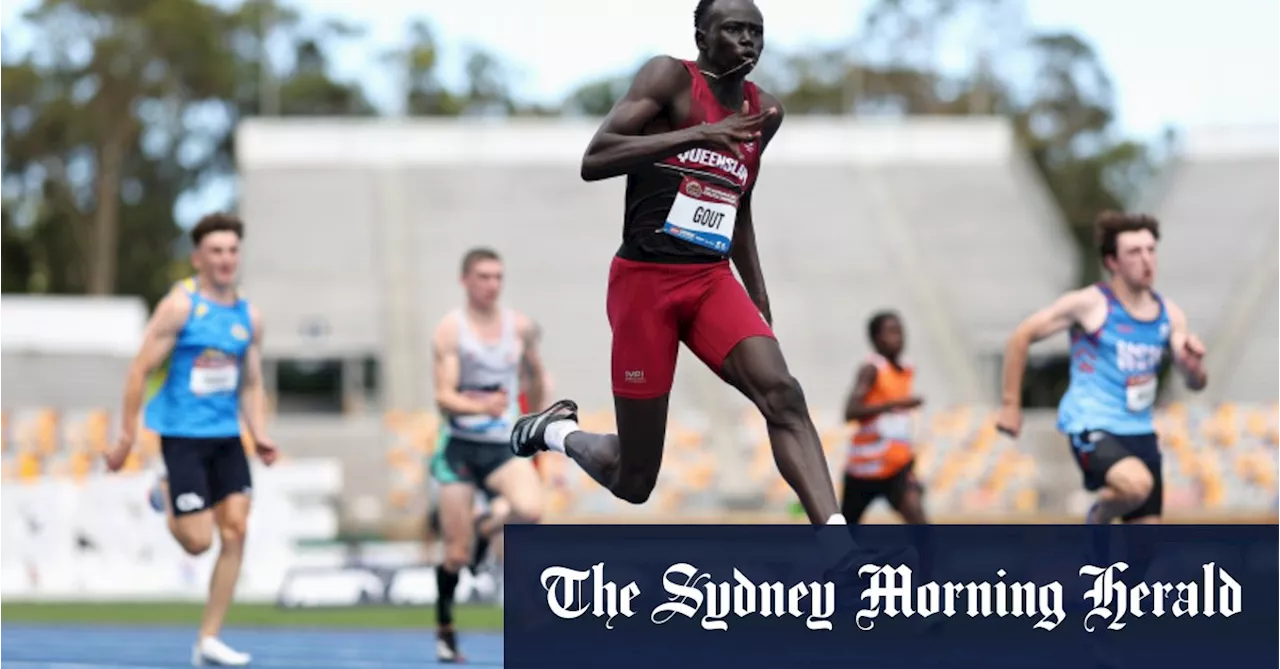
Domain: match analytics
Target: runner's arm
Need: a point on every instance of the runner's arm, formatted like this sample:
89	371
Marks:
157	343
618	147
253	397
745	253
1058	316
1188	352
856	408
448	371
531	364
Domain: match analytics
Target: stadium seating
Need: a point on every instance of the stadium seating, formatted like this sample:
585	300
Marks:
1219	458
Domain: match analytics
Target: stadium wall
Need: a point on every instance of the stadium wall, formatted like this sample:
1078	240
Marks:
51	359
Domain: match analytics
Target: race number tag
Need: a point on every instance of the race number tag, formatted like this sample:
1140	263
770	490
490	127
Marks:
1140	392
894	426
214	373
703	214
476	423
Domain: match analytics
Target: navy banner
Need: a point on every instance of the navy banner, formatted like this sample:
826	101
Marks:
943	596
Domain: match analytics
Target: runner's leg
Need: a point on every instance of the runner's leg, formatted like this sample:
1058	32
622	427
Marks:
232	518
757	369
643	313
229	485
729	335
186	486
457	501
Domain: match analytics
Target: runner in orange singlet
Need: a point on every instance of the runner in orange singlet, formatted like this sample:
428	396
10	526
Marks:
881	459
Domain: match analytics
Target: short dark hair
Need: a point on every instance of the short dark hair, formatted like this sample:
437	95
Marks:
216	222
878	319
1110	224
478	254
700	12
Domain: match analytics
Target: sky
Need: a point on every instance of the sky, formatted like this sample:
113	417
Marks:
1173	62
1179	63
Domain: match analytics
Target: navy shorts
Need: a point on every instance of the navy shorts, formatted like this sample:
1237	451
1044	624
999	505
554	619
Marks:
460	460
860	493
204	471
1096	451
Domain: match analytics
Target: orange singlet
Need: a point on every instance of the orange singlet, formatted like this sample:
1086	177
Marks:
881	447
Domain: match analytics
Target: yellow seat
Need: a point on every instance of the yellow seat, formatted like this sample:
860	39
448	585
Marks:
80	465
30	466
1026	500
149	443
394	420
399	499
699	476
46	432
133	463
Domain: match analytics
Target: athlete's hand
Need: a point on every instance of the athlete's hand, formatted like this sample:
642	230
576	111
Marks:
1193	348
496	403
1193	360
116	456
266	450
732	132
1009	420
911	403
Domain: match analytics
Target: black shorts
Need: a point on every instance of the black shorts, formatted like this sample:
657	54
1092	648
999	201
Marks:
204	471
1097	451
461	460
859	493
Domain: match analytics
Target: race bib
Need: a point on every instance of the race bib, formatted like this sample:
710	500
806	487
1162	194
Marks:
210	379
703	215
1140	392
478	423
894	426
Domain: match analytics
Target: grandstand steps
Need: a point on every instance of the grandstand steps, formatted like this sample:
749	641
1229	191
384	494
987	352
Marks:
1218	209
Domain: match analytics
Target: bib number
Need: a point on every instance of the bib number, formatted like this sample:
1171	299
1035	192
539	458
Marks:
214	379
894	426
703	215
478	423
1140	392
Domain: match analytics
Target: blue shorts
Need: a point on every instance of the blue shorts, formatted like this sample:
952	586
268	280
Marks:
1096	451
204	471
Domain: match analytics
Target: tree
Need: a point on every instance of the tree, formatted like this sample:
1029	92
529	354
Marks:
486	92
1066	125
418	62
597	97
123	108
80	106
15	254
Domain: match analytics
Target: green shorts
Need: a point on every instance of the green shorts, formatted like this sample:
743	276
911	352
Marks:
459	460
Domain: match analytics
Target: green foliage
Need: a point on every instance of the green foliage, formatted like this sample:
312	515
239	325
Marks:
124	107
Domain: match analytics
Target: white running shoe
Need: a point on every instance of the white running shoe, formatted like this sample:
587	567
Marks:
211	651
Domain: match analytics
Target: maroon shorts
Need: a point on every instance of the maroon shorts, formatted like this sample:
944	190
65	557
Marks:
655	306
